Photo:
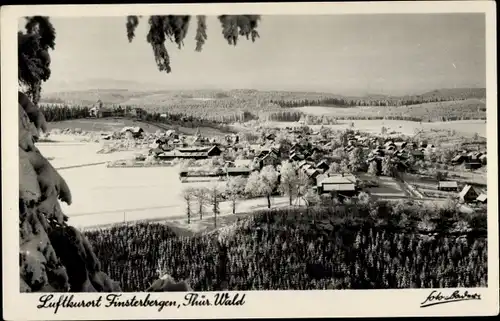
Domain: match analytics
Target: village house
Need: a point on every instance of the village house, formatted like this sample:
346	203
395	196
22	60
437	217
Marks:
302	164
270	137
243	163
473	164
401	154
468	194
238	171
401	145
101	112
458	159
482	198
210	151
418	155
312	174
295	157
390	144
342	185
328	147
482	159
474	156
448	186
349	149
170	155
322	165
135	131
269	159
137	112
163	143
390	148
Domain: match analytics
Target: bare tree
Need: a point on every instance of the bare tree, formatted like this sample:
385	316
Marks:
235	186
187	194
289	180
303	186
269	179
263	183
201	197
373	168
215	200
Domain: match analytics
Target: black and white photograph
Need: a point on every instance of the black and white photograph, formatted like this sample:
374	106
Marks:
199	153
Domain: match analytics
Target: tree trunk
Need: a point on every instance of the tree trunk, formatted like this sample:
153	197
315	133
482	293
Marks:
200	211
215	213
234	206
268	201
290	197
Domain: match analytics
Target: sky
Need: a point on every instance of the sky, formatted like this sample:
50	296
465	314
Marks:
342	54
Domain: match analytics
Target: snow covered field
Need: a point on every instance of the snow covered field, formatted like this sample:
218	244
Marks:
104	195
464	127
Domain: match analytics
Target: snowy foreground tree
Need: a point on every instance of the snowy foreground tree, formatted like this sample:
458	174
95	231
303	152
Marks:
54	256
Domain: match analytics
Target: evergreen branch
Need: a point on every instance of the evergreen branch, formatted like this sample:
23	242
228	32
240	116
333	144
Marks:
201	32
132	23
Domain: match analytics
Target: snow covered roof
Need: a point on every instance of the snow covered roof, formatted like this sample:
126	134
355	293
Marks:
243	162
132	129
448	184
339	187
482	198
311	172
466	190
338	179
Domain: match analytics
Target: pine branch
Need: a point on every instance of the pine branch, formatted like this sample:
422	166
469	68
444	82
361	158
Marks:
239	25
201	32
42	26
156	37
132	23
175	28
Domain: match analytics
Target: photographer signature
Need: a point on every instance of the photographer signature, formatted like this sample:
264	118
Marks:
436	297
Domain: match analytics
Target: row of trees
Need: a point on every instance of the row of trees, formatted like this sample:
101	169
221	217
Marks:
352	102
65	112
264	183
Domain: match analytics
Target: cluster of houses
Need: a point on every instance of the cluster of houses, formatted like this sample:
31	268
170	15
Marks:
468	194
471	160
310	156
346	185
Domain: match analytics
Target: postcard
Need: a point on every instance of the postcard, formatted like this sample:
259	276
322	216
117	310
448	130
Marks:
249	160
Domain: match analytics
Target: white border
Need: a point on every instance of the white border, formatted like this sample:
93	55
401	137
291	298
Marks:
347	303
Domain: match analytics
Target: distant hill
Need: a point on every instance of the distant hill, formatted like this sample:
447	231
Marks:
453	93
160	97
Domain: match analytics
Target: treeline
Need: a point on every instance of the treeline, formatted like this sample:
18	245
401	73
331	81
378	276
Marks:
372	246
281	115
60	113
184	121
348	102
221	110
333	118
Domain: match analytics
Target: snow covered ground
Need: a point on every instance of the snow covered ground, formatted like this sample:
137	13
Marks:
464	127
104	195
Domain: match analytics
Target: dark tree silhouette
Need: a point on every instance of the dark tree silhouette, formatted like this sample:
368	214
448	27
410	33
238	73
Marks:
175	28
33	55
